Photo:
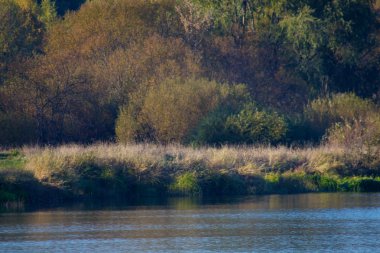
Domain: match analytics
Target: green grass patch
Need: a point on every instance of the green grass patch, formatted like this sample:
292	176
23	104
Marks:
302	182
207	183
359	184
12	160
186	184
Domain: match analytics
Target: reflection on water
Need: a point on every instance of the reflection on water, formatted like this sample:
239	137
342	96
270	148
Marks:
307	223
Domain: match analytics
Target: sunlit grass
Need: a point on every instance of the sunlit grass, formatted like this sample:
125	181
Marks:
177	159
12	160
137	170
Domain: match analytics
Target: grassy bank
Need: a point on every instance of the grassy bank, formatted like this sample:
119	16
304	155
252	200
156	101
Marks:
109	171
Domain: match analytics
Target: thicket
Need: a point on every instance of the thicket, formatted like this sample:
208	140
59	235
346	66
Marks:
249	125
182	104
189	71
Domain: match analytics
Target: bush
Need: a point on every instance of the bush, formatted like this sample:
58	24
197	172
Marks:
174	107
129	127
249	125
324	113
360	140
359	133
252	125
351	123
212	129
171	110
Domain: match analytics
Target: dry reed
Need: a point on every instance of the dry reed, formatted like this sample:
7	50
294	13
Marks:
170	158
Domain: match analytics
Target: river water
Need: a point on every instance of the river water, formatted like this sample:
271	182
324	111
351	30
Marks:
330	222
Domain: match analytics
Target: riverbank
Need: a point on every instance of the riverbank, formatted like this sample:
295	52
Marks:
124	172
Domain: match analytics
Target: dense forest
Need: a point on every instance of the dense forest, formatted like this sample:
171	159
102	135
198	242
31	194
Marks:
195	72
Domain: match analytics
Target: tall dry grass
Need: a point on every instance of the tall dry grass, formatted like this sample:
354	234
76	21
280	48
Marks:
173	159
113	171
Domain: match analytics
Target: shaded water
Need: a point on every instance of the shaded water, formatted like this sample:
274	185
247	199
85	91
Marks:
288	223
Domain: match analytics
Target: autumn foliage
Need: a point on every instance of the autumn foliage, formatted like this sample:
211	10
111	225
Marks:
189	71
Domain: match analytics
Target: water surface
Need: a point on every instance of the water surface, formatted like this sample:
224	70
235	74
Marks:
287	223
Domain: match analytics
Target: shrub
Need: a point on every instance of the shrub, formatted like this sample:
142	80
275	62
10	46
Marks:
252	125
129	127
172	109
212	129
360	140
324	113
351	123
359	133
247	125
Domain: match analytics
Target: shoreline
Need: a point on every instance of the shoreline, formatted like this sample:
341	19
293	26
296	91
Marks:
126	172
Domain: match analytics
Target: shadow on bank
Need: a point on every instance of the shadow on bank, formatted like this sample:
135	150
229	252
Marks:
93	183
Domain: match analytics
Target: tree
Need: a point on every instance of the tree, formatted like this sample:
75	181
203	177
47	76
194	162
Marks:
143	65
48	12
57	92
196	22
20	36
306	37
333	43
234	18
